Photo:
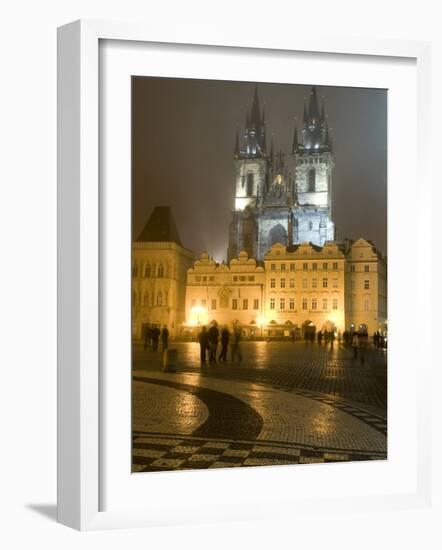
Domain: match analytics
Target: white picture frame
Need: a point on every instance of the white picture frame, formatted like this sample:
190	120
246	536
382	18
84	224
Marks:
79	275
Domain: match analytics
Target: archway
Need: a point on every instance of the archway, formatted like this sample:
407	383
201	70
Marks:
277	235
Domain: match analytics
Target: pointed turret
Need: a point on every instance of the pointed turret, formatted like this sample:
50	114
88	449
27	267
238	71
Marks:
236	151
255	113
295	140
314	127
255	132
313	108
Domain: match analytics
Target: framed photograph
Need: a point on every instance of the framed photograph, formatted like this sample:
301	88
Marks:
230	338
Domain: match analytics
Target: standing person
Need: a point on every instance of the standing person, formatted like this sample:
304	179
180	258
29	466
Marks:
332	339
320	337
355	344
339	338
203	338
363	344
155	337
147	337
225	335
165	338
236	348
213	342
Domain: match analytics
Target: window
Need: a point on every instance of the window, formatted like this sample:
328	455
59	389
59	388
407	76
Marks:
134	271
324	303
198	278
147	270
335	303
203	303
235	278
234	303
245	303
335	266
224	299
160	271
314	282
314	303
325	266
282	267
366	284
272	283
304	283
292	303
366	304
310	225
311	180
335	282
304	267
272	303
352	268
242	278
282	283
314	266
204	279
193	303
273	267
282	303
304	303
251	277
146	299
324	282
213	305
211	278
256	303
292	267
249	184
292	283
366	268
159	299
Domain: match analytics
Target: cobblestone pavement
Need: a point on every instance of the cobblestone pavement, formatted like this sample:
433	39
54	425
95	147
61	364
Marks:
284	404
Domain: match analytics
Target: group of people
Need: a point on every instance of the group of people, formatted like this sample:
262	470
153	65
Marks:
209	340
152	336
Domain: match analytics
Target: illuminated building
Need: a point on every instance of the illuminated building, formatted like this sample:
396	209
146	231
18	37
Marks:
159	268
275	204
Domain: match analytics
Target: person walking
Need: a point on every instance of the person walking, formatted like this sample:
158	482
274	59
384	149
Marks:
355	344
320	337
225	336
165	338
236	348
155	338
213	342
339	338
203	338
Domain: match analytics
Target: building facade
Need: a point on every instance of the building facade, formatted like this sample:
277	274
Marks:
274	202
159	272
336	287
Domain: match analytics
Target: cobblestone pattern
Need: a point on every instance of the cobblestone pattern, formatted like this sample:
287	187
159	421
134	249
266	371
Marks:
293	366
158	454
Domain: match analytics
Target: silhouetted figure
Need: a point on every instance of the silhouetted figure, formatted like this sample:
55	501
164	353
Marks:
147	338
203	338
155	338
293	336
213	342
225	335
320	337
165	338
363	344
355	345
339	338
236	347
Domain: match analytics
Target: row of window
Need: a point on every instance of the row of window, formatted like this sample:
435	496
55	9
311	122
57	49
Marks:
366	284
304	303
158	299
314	266
282	283
235	278
235	303
148	271
366	268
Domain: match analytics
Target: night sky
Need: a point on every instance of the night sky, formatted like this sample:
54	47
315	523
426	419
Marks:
183	142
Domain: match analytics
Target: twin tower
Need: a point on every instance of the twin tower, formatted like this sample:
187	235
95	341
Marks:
273	205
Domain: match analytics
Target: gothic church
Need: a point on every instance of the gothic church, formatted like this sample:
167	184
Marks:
272	203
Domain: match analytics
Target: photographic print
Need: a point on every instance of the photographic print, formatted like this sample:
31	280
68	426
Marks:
259	274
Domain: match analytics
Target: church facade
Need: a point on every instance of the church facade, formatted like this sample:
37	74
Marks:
276	201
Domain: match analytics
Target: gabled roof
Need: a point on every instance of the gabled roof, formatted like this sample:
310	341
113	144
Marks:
160	227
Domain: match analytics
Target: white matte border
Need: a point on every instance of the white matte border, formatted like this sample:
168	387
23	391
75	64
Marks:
174	492
79	457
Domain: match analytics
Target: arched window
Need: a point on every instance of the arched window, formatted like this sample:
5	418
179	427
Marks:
146	299
135	270
249	184
277	235
160	270
159	299
147	270
311	180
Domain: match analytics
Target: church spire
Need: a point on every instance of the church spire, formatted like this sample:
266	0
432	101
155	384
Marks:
295	140
236	152
314	138
255	131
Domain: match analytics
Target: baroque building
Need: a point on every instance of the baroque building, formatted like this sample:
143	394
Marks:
272	203
159	272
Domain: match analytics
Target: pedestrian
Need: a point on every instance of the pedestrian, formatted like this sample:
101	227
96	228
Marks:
332	339
236	348
355	345
225	336
363	344
213	342
339	338
165	338
147	338
320	337
155	338
203	338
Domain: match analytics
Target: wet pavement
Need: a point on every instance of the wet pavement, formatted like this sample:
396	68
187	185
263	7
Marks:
284	403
